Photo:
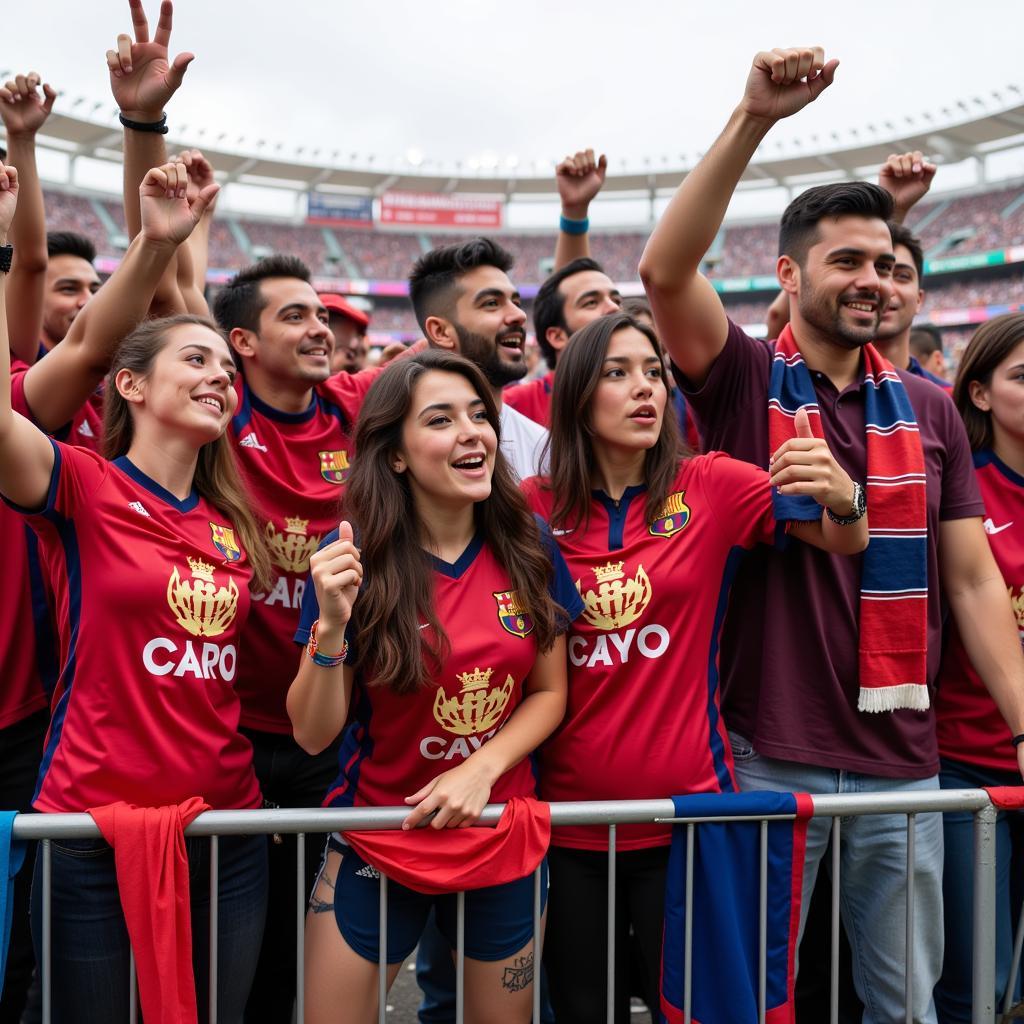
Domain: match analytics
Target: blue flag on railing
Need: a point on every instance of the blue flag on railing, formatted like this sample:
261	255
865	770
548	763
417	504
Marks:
12	856
726	902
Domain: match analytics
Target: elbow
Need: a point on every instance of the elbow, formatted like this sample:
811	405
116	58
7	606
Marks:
311	743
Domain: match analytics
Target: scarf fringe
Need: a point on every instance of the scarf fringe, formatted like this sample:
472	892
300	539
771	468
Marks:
911	696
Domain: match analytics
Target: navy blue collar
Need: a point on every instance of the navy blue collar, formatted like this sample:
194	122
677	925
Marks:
627	496
276	414
987	457
453	570
129	468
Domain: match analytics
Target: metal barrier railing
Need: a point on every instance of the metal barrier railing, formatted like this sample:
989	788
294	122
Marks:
213	824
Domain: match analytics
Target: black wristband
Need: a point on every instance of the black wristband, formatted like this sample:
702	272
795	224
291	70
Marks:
6	256
157	127
1018	740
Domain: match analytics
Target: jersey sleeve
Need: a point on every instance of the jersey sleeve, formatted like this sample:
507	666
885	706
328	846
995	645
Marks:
76	476
740	497
347	390
562	588
961	496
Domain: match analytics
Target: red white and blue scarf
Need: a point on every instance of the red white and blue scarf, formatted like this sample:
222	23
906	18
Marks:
894	573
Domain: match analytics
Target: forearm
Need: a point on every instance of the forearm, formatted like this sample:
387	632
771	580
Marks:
28	236
692	219
141	151
317	704
988	629
193	259
569	247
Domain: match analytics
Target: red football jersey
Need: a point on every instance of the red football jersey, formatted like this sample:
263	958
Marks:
27	640
295	465
968	723
151	594
394	745
643	718
532	399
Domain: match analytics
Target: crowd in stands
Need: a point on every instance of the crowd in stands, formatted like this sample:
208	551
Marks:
980	215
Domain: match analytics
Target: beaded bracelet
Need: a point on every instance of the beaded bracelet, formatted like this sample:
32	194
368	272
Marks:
321	659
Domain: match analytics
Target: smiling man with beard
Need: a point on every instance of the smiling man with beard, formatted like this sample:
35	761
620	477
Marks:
465	302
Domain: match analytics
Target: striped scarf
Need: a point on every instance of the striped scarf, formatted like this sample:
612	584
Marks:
894	571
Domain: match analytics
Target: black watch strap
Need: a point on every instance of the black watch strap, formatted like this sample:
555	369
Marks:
158	127
6	257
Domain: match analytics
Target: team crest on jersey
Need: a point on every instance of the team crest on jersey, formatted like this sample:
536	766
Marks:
672	516
224	541
334	466
290	549
512	615
201	606
617	600
477	707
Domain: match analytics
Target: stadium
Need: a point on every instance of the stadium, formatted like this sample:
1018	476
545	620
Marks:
361	231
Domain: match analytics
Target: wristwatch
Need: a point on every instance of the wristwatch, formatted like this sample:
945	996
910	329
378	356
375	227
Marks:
860	506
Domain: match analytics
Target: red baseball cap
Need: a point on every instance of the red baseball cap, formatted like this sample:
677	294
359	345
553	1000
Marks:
337	304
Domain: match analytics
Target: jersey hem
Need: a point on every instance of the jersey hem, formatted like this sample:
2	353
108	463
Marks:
868	766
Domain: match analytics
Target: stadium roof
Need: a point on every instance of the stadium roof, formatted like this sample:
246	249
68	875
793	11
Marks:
776	164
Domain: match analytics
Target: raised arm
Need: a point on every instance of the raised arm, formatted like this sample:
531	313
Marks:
579	179
907	177
56	386
26	456
142	82
24	111
689	315
193	257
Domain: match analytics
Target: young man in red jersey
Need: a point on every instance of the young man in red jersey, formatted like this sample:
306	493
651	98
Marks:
800	672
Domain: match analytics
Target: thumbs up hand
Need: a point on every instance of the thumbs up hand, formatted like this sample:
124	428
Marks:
337	573
804	465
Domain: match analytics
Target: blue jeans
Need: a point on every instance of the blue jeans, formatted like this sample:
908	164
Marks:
90	948
953	994
872	896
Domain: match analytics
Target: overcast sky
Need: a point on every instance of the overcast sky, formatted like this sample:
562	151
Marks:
481	80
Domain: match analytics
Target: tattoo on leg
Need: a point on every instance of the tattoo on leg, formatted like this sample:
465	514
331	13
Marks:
519	975
316	904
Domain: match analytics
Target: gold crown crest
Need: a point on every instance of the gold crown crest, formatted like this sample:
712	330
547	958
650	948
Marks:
608	572
293	524
475	680
674	504
200	570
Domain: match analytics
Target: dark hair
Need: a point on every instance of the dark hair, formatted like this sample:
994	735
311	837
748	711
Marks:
240	302
904	236
571	442
69	243
799	228
397	591
991	344
637	306
549	304
435	275
216	478
925	340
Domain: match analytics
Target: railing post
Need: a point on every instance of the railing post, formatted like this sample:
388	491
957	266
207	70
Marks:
983	1005
610	991
214	923
833	985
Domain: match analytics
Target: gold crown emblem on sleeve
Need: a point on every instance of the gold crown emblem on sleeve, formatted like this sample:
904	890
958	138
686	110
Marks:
293	524
200	570
608	572
475	680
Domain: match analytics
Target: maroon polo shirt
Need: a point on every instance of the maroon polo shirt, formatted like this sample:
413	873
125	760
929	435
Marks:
789	665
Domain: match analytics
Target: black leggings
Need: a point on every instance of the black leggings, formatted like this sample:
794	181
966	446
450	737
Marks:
576	939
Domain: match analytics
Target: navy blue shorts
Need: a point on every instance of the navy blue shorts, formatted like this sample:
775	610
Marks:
498	921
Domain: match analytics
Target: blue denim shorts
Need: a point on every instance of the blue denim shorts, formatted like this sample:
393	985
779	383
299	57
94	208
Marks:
498	920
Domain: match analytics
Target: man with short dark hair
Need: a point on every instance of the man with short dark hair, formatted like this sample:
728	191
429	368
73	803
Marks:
894	329
292	436
827	662
926	348
71	281
464	301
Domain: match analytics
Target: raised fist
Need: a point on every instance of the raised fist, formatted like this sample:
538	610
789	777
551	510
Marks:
200	174
168	215
8	199
579	179
783	81
907	178
23	109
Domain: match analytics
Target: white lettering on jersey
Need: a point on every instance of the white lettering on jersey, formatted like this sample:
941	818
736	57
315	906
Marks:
282	595
210	661
85	430
250	441
991	528
438	748
137	506
614	648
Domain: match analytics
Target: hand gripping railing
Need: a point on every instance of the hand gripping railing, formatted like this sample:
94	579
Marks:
214	824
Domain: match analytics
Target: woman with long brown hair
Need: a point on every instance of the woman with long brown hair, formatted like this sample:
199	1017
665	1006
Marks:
651	535
149	557
975	746
449	664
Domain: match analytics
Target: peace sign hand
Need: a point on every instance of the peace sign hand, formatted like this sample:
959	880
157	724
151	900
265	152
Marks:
142	79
